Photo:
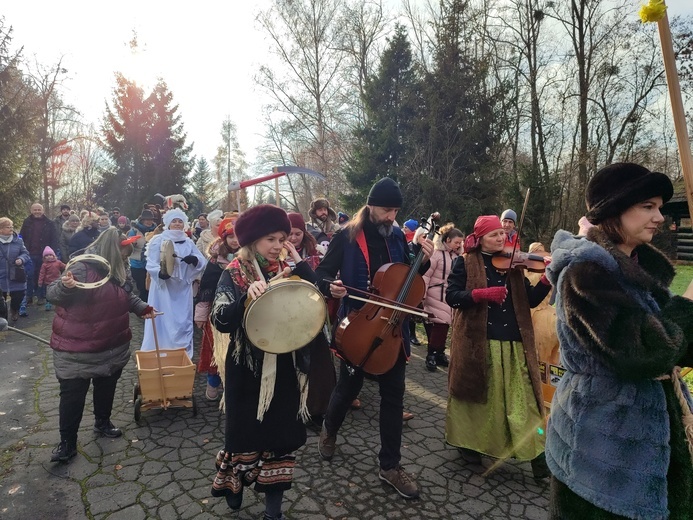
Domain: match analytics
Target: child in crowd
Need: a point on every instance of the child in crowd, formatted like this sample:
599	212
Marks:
51	269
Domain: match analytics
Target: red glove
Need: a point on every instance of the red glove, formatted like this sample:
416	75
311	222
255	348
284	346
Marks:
490	294
147	310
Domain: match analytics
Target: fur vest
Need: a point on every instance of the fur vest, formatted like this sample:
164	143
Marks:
611	436
468	374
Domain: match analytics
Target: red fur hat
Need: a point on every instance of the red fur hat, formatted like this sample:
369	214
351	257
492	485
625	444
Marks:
259	221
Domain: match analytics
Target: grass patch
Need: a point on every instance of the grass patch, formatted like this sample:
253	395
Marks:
684	275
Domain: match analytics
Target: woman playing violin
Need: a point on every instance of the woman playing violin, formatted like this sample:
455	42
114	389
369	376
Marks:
495	403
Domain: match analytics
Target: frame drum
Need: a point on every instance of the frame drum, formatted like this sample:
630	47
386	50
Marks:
91	258
167	257
286	317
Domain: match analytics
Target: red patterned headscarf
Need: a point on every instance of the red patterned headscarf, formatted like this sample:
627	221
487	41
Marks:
483	226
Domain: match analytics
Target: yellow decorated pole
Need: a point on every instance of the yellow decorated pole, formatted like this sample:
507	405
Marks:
656	11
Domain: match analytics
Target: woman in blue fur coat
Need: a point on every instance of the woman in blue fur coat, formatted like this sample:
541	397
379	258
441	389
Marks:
616	443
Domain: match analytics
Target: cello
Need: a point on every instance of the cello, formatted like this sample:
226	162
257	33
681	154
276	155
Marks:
370	338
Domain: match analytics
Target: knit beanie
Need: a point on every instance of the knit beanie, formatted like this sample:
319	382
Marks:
411	224
123	221
618	186
342	218
297	221
174	213
259	221
483	226
48	251
73	218
510	215
385	193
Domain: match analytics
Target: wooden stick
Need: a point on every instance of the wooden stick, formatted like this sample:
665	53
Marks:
158	362
677	108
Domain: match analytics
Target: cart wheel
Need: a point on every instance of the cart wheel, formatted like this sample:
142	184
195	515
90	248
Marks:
136	392
194	406
138	409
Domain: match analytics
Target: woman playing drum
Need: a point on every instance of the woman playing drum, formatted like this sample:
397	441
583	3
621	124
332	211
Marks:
265	393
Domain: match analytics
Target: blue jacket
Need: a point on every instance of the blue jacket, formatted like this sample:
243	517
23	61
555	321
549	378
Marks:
608	437
8	254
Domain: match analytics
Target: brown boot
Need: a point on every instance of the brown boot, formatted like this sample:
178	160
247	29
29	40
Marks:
399	479
326	444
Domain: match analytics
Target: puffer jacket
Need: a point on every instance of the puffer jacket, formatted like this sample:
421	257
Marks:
92	320
436	279
8	254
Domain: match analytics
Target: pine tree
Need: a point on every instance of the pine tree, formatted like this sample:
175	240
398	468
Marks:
453	169
382	142
146	142
199	193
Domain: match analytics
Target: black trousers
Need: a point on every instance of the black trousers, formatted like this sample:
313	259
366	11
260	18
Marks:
140	277
73	394
391	406
16	298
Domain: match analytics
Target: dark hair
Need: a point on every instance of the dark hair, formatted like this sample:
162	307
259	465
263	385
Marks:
224	249
309	244
613	229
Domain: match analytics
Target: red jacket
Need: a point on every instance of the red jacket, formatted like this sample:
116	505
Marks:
50	272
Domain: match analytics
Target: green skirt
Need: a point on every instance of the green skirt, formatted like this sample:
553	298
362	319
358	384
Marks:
509	424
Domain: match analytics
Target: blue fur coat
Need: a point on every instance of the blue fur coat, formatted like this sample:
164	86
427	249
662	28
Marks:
610	433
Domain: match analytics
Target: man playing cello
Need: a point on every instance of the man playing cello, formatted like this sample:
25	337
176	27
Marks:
367	242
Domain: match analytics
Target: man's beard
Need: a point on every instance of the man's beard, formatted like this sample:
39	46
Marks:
384	230
323	218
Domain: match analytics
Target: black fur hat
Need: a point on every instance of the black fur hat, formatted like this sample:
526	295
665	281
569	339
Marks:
321	203
618	186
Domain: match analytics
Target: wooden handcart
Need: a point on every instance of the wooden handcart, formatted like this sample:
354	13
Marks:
166	379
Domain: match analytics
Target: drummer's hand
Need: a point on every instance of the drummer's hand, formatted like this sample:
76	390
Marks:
427	246
256	289
292	251
337	290
68	280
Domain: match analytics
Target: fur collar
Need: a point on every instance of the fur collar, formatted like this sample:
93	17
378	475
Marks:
652	272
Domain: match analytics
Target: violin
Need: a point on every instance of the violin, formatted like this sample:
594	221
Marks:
532	262
370	338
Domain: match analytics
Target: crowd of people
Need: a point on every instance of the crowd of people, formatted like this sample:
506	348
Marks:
618	440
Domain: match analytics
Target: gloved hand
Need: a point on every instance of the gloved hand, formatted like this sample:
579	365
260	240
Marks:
164	276
490	294
147	310
190	259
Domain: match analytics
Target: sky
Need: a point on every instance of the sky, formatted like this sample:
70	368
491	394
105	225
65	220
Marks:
207	54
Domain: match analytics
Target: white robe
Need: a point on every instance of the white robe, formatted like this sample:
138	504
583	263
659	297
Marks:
174	296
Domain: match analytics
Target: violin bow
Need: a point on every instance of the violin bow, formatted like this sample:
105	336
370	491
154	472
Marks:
519	231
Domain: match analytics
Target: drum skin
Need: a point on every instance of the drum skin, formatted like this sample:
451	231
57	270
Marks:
167	257
286	317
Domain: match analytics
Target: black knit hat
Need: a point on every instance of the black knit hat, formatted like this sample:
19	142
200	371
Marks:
259	221
617	187
385	193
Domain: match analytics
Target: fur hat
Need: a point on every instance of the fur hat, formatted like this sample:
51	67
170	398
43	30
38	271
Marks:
146	214
297	221
48	251
321	203
259	221
385	193
510	215
174	213
618	186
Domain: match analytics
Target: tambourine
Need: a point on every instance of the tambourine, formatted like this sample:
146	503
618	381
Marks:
91	258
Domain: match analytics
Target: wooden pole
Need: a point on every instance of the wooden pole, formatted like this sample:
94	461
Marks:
276	190
682	140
